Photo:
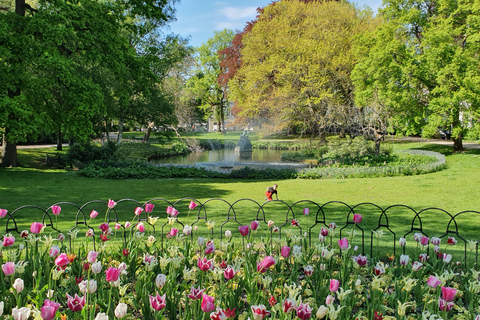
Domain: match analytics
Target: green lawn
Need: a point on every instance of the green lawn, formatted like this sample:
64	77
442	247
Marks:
454	189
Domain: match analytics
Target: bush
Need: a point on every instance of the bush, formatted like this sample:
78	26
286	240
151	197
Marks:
81	154
179	147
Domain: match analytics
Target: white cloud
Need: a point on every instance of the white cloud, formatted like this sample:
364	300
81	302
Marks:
235	13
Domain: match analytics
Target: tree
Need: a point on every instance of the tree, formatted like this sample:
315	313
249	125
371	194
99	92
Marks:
296	64
203	84
421	67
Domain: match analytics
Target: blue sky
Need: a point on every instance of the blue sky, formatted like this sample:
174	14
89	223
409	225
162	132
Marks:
198	19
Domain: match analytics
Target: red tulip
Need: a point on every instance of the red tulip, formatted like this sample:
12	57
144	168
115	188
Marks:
243	230
158	302
75	303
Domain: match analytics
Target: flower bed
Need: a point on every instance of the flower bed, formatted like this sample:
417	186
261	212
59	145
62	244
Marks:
184	277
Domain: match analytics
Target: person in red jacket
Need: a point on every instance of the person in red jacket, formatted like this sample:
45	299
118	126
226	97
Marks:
270	192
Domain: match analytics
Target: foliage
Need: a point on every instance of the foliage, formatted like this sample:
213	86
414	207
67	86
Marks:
82	154
296	63
179	147
304	154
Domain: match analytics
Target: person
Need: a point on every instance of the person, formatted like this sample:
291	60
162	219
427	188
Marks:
270	192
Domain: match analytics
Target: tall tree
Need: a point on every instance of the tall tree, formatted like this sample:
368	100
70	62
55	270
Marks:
203	84
296	64
421	66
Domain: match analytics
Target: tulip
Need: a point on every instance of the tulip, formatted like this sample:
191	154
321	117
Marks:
36	227
210	248
361	260
433	281
259	312
208	303
89	286
160	280
49	309
332	225
192	205
416	266
8	241
334	284
21	314
402	242
201	241
96	267
1	307
18	285
187	230
93	214
195	293
149	207
324	232
451	241
62	260
101	316
243	230
174	212
158	302
169	210
56	210
92	256
417	236
270	223
61	237
204	264
141	227
117	226
445	305
138	211
112	274
75	303
322	312
111	204
121	310
306	211
3	213
329	300
357	218
89	233
127	224
424	240
435	241
343	243
446	257
254	225
267	262
404	259
218	314
228	234
173	232
104	227
229	273
285	252
423	257
448	294
304	311
288	305
308	270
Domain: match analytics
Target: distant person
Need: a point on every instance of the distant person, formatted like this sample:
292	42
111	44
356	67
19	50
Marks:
270	192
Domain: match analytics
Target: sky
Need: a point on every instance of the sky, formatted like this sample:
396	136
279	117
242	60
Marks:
198	19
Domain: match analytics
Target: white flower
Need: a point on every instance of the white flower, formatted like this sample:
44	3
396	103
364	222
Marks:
96	267
101	316
21	314
1	307
18	285
121	310
228	234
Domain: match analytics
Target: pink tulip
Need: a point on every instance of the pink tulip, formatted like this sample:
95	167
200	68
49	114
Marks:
173	232
169	210
75	303
334	284
158	302
324	232
229	273
3	213
445	305
127	224
208	303
424	240
117	226
285	252
204	264
8	241
49	309
306	211
433	281
89	233
112	274
56	210
329	300
267	262
93	214
357	218
104	227
195	293
36	227
259	312
304	311
111	204
254	225
62	260
343	243
210	248
149	207
138	211
92	256
243	230
448	294
192	205
54	251
141	227
175	212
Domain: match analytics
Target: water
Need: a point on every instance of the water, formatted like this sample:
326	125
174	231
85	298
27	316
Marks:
228	156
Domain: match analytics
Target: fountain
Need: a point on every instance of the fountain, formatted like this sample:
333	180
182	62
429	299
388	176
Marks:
244	147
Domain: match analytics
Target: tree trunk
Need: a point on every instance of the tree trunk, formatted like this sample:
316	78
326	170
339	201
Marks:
458	143
323	137
59	139
377	147
9	153
120	131
146	137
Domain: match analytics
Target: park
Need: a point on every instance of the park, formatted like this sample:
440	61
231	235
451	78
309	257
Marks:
134	167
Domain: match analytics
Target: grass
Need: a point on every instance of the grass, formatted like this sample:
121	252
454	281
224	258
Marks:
453	189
